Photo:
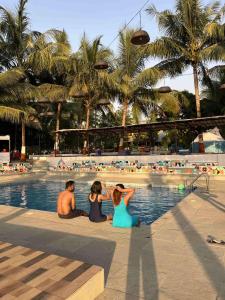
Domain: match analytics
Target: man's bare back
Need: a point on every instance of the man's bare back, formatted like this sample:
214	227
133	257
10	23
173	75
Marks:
65	203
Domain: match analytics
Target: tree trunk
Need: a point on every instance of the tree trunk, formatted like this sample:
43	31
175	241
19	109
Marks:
88	112
58	115
198	108
23	147
86	138
197	94
124	117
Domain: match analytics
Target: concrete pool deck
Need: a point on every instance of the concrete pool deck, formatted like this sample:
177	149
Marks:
169	259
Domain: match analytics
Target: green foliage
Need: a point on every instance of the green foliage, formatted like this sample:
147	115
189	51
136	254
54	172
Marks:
87	80
193	35
38	71
14	97
130	83
213	96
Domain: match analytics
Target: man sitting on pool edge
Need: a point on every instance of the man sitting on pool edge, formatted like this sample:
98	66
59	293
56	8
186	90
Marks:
66	203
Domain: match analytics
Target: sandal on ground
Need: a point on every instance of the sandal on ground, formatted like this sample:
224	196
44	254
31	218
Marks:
213	240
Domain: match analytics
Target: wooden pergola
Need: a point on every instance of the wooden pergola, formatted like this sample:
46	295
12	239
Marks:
198	124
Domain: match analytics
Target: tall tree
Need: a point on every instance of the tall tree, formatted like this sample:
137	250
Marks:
193	36
213	102
87	84
16	45
14	107
50	63
130	83
15	36
56	95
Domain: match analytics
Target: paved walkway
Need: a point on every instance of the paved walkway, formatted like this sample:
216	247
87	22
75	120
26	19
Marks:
168	260
28	274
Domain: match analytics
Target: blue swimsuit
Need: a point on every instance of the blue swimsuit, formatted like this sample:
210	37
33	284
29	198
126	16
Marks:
95	214
122	218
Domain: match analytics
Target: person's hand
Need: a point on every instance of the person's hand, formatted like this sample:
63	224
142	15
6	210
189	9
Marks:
111	188
103	185
118	188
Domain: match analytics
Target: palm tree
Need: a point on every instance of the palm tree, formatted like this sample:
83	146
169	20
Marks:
86	82
16	45
213	96
13	102
42	57
130	83
193	36
49	63
16	38
56	95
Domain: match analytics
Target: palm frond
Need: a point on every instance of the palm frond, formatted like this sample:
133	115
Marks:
14	113
149	76
11	77
53	92
170	103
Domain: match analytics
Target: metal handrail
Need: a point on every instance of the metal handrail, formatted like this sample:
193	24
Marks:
196	179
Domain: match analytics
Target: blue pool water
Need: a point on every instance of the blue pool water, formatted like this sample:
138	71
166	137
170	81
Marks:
148	204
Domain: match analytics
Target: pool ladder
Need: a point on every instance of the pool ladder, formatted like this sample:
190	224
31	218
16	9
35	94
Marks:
191	185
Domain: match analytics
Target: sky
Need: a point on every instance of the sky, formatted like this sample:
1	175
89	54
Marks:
98	17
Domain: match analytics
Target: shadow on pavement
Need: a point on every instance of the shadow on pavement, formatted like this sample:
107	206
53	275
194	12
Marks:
92	250
212	266
142	278
143	275
211	199
14	215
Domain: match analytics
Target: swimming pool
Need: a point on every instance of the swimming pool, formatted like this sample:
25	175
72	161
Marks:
148	204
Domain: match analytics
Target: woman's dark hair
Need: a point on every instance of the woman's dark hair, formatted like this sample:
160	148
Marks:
96	188
117	195
69	183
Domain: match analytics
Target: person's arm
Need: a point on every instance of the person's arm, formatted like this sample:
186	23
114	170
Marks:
58	203
104	197
111	190
129	193
107	196
73	203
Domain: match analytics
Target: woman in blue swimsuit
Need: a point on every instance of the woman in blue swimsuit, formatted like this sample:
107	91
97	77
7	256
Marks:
122	217
95	199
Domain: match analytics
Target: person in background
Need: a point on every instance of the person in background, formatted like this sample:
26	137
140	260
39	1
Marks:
121	198
95	199
66	203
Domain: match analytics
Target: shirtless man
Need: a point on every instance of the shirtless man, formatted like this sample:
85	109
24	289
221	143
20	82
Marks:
66	204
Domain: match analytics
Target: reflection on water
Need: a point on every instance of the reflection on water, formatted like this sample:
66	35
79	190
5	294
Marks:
148	204
23	198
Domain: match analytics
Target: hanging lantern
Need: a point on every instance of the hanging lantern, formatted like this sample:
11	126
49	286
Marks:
47	114
140	37
36	121
43	100
32	118
104	102
164	89
101	65
222	87
79	95
58	101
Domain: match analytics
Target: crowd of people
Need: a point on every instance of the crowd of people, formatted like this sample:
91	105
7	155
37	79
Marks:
119	195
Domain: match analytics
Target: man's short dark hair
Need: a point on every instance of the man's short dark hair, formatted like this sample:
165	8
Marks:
69	183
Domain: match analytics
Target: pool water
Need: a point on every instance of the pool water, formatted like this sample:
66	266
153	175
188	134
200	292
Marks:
148	204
